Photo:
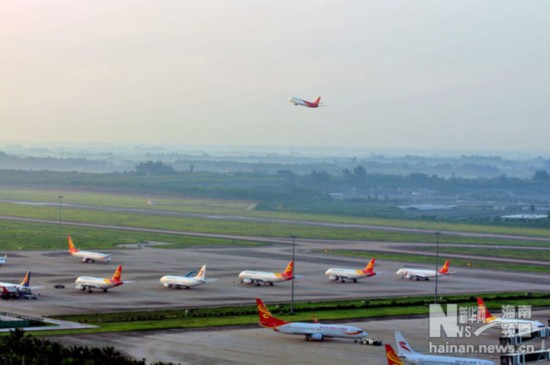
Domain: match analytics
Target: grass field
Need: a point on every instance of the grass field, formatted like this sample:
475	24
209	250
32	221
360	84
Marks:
483	262
324	311
528	254
242	208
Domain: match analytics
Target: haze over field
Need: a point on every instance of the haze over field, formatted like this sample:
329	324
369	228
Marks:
463	75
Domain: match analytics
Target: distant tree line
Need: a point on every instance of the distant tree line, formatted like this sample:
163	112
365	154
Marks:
19	348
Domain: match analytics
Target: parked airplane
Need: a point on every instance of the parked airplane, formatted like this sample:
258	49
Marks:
309	104
18	290
3	259
336	274
87	256
406	355
421	274
486	317
311	331
186	281
260	277
89	282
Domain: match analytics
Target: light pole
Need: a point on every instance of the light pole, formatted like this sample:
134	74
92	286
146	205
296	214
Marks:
437	234
59	226
293	271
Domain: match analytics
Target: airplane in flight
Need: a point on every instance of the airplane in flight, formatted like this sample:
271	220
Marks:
486	317
3	259
422	274
89	282
311	331
18	290
87	256
187	281
406	355
260	277
336	274
309	104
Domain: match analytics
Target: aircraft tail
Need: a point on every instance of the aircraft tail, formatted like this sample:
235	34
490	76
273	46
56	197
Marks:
266	319
72	249
369	269
403	346
202	273
445	268
483	314
317	101
117	276
392	357
26	280
289	270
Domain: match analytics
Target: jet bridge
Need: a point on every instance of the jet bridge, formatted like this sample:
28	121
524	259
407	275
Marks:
518	340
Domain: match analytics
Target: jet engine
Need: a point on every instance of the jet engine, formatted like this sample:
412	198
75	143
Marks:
317	337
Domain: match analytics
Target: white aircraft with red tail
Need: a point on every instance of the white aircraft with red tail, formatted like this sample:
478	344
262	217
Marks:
302	102
336	274
311	331
268	278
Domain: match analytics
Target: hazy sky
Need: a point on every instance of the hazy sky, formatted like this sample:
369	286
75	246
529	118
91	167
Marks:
465	75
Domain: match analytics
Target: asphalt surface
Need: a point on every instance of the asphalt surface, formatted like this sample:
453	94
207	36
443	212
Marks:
262	346
146	265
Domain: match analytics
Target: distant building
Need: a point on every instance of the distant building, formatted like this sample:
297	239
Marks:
524	216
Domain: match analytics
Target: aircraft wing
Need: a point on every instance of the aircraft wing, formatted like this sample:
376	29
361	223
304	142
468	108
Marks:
128	281
209	280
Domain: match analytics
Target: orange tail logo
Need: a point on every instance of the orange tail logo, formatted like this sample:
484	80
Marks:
27	279
118	274
392	357
72	249
370	266
445	268
288	273
201	273
266	319
483	314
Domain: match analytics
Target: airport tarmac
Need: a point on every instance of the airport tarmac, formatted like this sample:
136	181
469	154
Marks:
146	265
263	346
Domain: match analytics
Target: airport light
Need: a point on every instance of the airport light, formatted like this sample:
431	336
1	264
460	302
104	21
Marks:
437	234
59	226
293	273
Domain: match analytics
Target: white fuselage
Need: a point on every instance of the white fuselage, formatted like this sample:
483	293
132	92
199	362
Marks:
260	277
297	101
319	330
89	282
420	359
418	274
87	256
521	324
178	282
2	260
15	287
346	274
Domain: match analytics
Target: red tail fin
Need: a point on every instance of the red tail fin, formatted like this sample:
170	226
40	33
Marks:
266	319
483	314
289	270
445	268
72	249
370	266
118	274
316	102
392	357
